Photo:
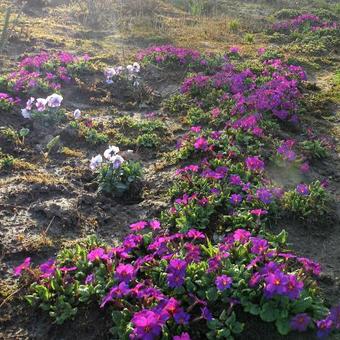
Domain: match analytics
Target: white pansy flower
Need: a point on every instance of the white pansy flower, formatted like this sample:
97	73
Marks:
41	104
26	113
136	67
77	114
96	162
129	68
54	100
111	152
29	103
110	72
119	70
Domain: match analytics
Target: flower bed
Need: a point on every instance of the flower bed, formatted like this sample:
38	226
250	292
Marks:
7	102
304	22
43	72
209	262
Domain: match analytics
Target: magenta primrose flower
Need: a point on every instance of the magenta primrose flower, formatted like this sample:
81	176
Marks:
48	269
195	234
22	267
223	282
235	180
241	235
234	49
176	273
235	199
155	225
138	226
206	314
276	283
335	316
146	325
116	292
255	280
254	163
304	167
90	279
181	317
259	212
260	246
97	254
125	272
324	328
302	189
264	195
68	269
310	265
300	322
201	144
183	336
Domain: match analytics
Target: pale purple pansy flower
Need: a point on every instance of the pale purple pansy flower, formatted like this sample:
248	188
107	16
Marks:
41	104
54	100
117	161
29	103
77	114
96	161
26	113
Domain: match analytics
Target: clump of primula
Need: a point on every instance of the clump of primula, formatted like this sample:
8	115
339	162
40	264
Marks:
157	284
45	109
166	54
304	23
7	102
44	72
307	201
117	176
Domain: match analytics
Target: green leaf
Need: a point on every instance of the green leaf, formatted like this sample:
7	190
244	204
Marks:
282	237
214	324
212	294
237	328
223	316
301	305
268	313
223	333
254	309
283	326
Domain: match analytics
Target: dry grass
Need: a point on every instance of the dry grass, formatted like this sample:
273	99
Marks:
42	178
72	153
34	243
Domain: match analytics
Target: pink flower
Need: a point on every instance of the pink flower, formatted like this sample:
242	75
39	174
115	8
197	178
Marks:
24	266
196	129
201	144
215	112
241	235
138	226
259	212
254	163
155	225
304	167
97	254
195	234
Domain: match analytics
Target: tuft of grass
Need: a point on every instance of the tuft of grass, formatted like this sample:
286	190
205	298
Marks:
249	38
234	25
68	152
42	178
